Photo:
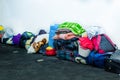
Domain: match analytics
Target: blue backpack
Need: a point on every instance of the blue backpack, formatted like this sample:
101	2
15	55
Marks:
96	59
24	37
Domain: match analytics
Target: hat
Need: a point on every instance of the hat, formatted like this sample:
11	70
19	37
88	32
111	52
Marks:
42	31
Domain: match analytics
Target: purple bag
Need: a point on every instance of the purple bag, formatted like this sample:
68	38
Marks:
16	39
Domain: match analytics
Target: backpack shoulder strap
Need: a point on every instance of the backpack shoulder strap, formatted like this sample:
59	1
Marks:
98	39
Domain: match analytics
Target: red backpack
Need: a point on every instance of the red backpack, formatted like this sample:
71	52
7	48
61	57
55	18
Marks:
102	43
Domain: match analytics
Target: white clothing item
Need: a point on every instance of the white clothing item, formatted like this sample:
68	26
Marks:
37	39
83	52
31	50
8	32
40	37
94	30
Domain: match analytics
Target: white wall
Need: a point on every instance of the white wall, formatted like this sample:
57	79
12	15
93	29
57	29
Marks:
33	15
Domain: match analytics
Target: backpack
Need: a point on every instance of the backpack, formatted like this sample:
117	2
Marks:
24	37
66	49
102	44
96	59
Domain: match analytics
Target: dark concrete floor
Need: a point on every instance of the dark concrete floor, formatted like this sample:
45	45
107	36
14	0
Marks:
16	64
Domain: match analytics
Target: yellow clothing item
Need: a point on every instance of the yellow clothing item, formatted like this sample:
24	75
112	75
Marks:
1	28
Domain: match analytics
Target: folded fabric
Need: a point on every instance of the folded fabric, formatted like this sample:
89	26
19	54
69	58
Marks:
66	36
74	27
62	31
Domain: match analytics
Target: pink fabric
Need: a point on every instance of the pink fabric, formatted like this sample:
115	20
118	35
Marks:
66	36
96	43
86	43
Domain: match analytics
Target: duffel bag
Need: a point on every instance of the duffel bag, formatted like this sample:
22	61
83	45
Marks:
112	64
